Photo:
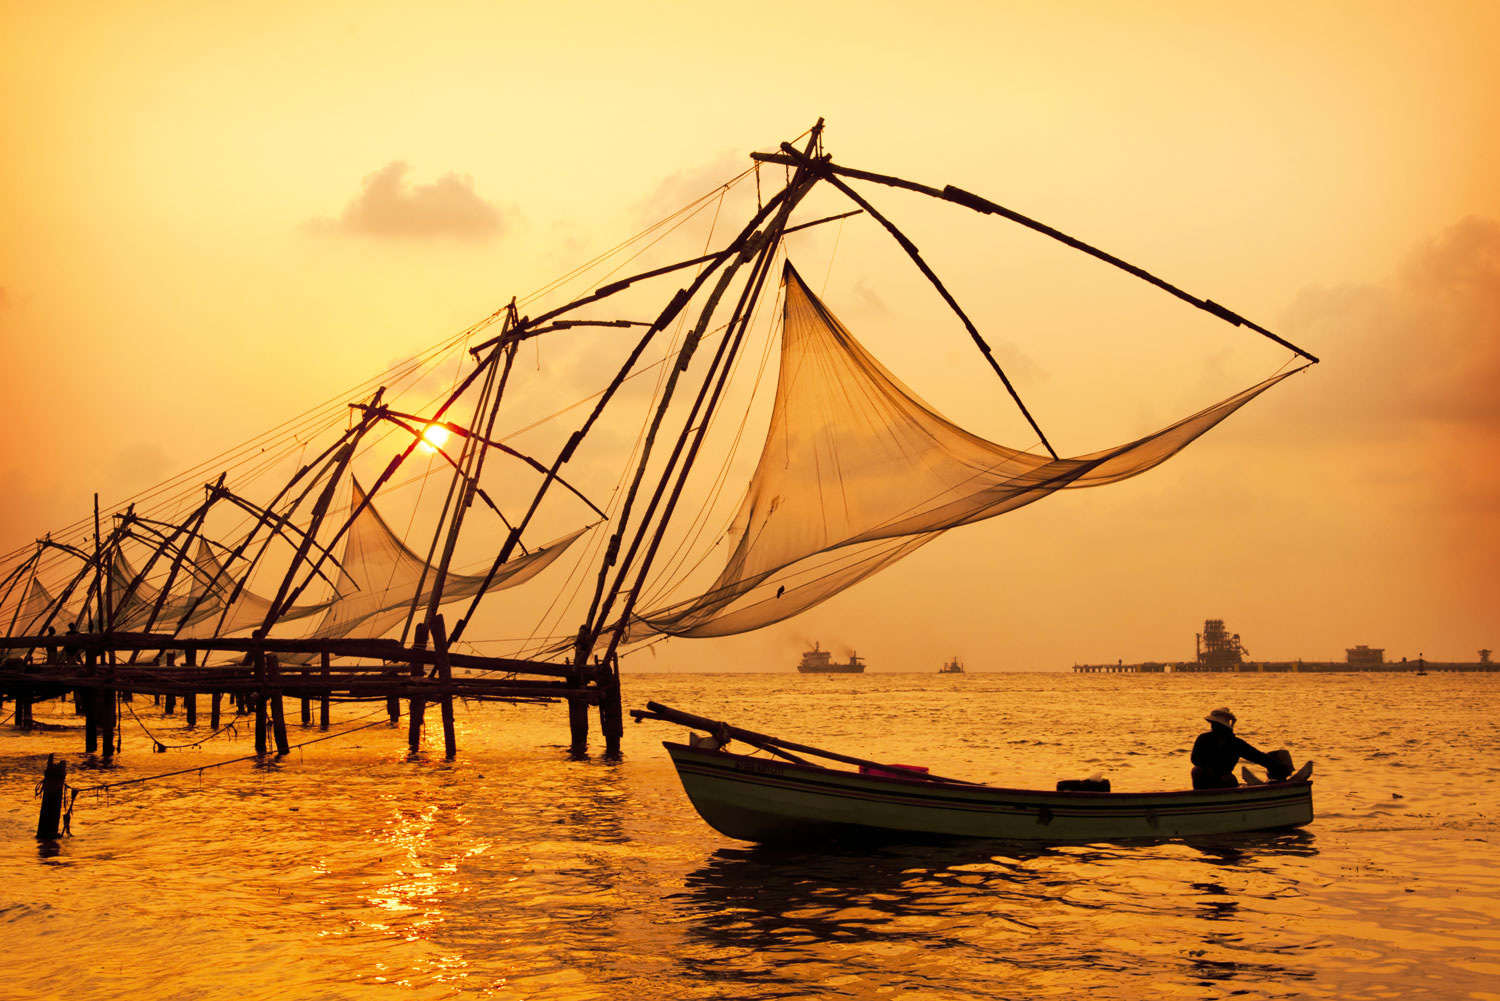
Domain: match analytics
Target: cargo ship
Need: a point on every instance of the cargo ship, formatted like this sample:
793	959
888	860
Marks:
954	666
819	661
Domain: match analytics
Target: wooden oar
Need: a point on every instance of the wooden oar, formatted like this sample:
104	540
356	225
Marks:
670	715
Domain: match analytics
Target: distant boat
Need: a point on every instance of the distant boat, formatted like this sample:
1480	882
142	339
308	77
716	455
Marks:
954	666
819	661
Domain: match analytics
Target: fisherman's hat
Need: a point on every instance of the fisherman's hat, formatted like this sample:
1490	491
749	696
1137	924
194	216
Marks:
1222	716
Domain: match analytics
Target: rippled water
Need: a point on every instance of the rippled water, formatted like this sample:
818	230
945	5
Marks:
348	871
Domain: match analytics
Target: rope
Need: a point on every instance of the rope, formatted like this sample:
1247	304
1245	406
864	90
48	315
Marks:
200	769
160	747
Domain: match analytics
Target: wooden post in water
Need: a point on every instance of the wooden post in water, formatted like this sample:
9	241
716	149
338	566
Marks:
54	786
171	709
323	702
190	700
90	712
306	711
213	709
578	717
278	716
418	706
107	711
445	678
393	704
260	702
611	715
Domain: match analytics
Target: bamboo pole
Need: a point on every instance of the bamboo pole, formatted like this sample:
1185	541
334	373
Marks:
959	196
667	315
707	399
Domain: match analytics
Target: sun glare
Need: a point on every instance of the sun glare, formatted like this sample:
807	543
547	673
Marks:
434	438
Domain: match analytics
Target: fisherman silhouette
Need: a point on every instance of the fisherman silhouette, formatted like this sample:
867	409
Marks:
1216	752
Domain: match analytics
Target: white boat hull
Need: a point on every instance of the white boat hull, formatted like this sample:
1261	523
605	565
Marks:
765	800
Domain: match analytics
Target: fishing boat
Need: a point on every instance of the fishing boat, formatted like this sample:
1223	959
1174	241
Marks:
953	666
820	661
790	799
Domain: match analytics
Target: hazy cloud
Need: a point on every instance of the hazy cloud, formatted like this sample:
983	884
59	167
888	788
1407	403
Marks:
685	186
390	206
4	297
1422	346
141	464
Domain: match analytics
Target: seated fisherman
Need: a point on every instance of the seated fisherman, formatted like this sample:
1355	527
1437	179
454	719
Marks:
1216	752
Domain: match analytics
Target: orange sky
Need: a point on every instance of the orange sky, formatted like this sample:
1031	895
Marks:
205	228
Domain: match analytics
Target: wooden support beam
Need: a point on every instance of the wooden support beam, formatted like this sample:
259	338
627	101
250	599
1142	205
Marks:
190	707
213	710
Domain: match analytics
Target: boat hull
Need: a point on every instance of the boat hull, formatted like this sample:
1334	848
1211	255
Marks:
832	669
764	800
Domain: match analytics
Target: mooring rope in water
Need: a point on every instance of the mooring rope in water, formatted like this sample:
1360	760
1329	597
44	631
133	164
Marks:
107	786
160	746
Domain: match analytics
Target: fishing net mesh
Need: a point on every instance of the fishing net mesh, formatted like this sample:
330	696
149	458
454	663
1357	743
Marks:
857	472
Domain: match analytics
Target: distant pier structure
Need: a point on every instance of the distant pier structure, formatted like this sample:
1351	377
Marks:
1220	651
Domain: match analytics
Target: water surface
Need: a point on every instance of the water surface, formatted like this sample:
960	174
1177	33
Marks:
348	871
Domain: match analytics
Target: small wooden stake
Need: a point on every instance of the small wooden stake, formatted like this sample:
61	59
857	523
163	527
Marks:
54	785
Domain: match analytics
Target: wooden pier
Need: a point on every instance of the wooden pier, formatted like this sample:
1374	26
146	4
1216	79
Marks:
1290	667
100	670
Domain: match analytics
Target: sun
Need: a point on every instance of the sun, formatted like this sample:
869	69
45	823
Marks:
433	438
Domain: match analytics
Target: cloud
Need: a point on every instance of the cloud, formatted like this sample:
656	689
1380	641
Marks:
4	297
1420	348
685	186
390	206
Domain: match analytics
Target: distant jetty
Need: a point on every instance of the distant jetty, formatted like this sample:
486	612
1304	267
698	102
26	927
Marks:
1221	652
